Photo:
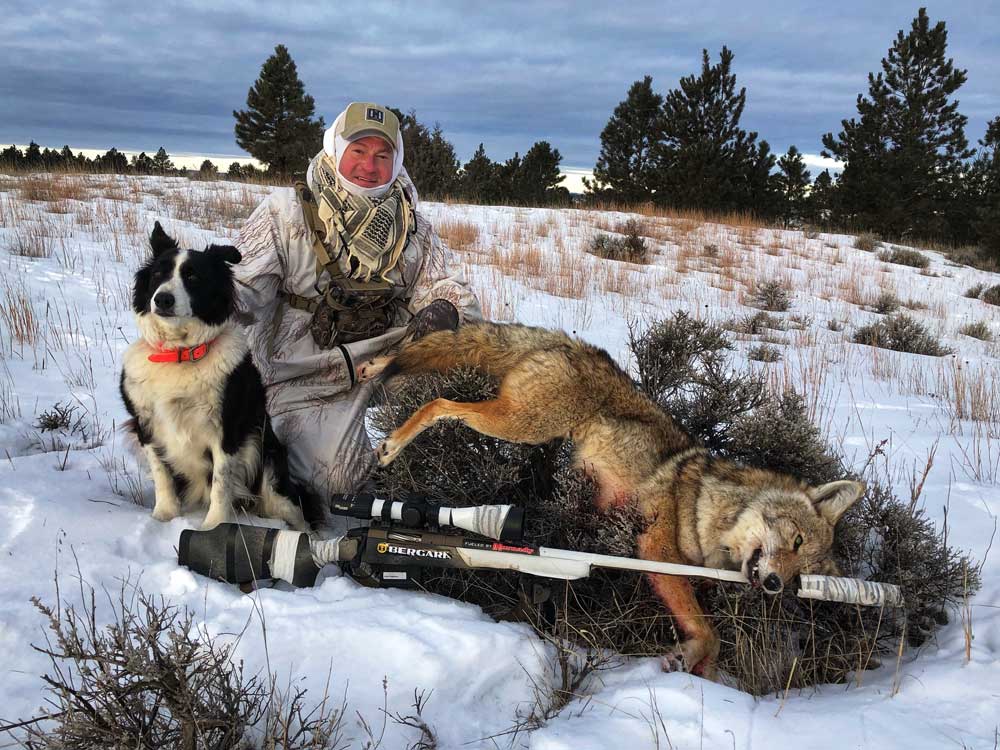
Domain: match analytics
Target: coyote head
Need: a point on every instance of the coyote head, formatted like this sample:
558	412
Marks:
782	532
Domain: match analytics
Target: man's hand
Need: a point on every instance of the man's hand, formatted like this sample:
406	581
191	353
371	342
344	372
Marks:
439	315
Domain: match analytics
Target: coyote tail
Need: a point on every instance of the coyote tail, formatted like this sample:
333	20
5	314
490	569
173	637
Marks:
491	347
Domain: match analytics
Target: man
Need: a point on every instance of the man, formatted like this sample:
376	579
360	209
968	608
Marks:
333	273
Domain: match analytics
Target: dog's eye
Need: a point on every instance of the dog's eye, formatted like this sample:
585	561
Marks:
190	277
798	543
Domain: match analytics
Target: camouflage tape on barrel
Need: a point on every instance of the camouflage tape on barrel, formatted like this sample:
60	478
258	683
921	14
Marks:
850	590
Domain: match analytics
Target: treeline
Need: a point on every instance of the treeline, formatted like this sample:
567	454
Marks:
279	128
113	161
908	173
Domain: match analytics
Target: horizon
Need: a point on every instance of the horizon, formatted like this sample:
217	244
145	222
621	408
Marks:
501	82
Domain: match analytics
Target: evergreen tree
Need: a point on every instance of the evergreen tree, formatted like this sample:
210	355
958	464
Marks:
277	127
507	179
429	158
793	186
66	158
112	161
11	158
235	171
142	164
208	170
479	179
820	201
162	163
985	175
626	169
706	160
33	156
904	155
536	180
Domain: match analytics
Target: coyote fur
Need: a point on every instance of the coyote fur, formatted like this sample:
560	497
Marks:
698	509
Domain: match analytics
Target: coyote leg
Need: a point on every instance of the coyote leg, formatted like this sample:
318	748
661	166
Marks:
700	648
494	418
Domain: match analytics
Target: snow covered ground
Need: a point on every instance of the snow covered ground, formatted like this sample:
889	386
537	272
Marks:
67	497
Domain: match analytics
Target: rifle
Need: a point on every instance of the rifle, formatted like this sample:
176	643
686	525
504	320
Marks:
404	538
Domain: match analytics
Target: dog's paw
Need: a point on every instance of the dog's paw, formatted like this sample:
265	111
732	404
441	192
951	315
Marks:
166	510
215	516
387	451
371	369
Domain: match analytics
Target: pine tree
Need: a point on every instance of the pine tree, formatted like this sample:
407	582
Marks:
161	162
536	180
793	186
235	171
112	161
479	179
11	158
277	127
626	170
985	175
507	179
208	170
429	158
819	204
706	160
904	156
142	164
33	156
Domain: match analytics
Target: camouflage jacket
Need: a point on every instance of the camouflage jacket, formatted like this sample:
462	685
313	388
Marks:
278	259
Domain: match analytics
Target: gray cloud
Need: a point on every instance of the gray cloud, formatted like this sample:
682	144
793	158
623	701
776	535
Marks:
102	73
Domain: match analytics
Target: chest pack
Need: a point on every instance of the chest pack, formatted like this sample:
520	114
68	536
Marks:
347	309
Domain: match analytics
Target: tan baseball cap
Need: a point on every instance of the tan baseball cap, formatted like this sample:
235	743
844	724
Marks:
365	118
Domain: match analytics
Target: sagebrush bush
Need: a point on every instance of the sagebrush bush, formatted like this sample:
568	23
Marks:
768	643
764	353
756	324
771	295
978	330
975	290
867	241
629	245
991	295
886	303
904	256
901	333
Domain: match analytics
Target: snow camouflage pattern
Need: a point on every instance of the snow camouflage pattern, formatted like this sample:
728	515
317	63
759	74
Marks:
316	407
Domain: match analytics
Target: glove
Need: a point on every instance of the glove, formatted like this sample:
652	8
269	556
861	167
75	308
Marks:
439	315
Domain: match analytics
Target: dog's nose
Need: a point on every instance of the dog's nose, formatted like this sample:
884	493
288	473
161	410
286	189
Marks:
772	584
164	300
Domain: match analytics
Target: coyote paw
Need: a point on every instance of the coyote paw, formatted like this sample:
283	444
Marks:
387	451
673	661
371	369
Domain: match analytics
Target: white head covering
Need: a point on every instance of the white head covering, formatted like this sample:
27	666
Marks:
334	146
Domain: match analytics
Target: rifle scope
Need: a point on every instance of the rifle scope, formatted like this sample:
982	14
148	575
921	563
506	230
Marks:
504	523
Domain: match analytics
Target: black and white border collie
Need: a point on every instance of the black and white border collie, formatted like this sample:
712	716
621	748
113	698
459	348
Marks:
196	399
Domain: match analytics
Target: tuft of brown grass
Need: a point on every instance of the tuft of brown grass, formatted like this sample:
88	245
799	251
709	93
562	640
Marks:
458	235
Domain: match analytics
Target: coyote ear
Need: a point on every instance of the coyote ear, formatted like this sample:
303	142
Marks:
833	498
160	241
228	253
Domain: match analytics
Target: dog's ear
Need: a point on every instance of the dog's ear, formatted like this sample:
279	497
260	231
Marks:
228	253
160	241
834	498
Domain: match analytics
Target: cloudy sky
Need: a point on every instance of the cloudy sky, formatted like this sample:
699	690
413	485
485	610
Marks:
95	74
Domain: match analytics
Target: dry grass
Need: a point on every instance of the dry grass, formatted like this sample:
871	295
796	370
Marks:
460	236
17	312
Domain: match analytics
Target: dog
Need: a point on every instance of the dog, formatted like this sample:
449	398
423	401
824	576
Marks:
196	399
697	509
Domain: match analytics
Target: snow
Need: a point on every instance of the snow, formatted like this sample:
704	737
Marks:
67	497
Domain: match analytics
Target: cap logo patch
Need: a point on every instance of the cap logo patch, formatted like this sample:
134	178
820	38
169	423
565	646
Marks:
375	114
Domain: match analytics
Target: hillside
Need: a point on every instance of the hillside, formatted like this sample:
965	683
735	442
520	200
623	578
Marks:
74	501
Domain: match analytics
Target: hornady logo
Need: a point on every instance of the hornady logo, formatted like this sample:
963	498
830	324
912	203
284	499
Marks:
375	114
394	549
497	547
